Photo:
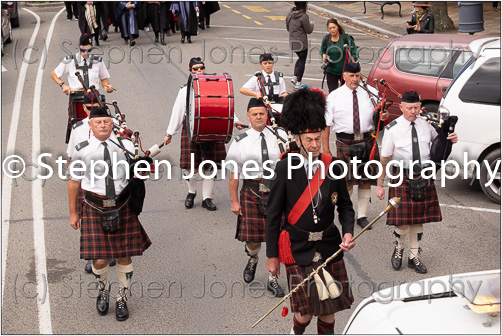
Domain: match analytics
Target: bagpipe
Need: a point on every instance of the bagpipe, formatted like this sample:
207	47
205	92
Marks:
122	133
443	123
272	114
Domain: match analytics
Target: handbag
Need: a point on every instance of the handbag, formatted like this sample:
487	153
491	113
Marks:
263	205
110	221
359	151
417	189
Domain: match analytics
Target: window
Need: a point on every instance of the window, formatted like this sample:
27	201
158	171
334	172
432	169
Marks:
484	85
421	60
460	61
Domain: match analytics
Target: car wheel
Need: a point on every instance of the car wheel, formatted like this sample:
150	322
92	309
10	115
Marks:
431	108
492	190
15	22
9	39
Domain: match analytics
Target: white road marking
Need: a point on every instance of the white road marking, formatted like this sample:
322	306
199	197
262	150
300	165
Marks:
11	146
43	301
469	208
3	68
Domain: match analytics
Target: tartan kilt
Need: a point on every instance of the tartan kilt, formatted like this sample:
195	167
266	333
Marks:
80	201
342	152
303	303
251	226
131	240
414	212
213	151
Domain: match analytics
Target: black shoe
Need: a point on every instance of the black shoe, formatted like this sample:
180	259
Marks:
105	36
274	287
189	200
121	311
208	26
112	261
100	36
103	300
133	43
88	267
417	265
208	204
362	222
397	258
156	40
189	39
162	41
250	269
183	39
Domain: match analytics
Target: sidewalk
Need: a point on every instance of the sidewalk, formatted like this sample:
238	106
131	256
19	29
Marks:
392	25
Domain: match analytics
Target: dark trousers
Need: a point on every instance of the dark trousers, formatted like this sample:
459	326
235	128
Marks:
102	13
333	81
300	64
71	9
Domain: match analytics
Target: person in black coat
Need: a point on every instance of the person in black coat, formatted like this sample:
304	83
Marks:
422	20
186	11
308	235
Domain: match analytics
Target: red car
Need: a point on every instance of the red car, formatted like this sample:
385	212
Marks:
426	63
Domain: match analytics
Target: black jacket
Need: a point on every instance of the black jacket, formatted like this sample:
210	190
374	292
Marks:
283	196
426	24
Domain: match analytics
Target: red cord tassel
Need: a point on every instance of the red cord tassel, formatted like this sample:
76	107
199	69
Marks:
285	311
285	255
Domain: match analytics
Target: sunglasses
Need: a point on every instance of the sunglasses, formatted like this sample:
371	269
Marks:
86	50
198	68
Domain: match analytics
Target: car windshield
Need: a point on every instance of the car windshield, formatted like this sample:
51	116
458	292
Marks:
469	62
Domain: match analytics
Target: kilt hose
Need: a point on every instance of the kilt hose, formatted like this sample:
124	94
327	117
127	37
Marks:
251	225
342	153
414	212
130	241
306	299
213	151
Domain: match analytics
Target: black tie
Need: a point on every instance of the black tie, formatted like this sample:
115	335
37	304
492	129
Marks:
415	149
264	157
270	88
110	187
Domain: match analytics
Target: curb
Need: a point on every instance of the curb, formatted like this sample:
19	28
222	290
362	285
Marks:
354	21
45	4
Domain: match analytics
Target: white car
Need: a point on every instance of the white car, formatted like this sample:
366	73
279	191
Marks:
467	303
474	96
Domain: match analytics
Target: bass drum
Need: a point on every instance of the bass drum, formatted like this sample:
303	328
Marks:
210	108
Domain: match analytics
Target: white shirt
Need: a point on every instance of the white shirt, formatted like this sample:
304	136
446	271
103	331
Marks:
95	151
249	149
78	134
178	113
252	84
397	142
97	73
340	110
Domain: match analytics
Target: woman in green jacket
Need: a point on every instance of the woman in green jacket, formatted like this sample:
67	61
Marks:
332	46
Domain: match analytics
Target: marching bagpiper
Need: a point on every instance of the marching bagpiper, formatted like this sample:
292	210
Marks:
309	235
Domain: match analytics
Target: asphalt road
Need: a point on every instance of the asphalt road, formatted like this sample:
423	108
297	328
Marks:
45	288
